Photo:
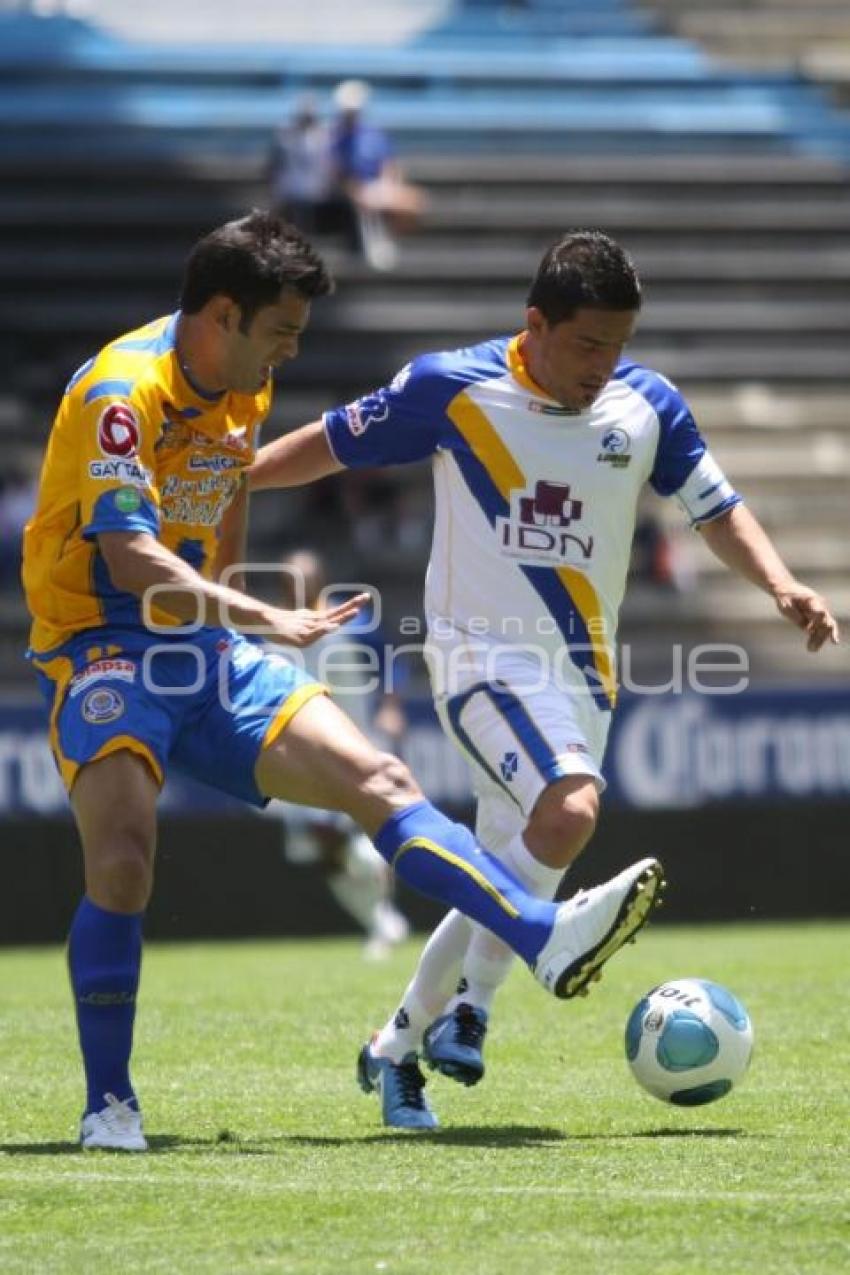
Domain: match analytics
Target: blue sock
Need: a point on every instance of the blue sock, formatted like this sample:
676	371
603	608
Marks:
104	960
443	859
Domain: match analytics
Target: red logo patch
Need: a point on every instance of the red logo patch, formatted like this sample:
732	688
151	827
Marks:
118	431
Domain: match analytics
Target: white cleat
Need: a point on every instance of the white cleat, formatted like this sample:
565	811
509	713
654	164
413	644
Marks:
118	1127
593	925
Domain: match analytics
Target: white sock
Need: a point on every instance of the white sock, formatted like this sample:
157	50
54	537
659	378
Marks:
488	960
435	978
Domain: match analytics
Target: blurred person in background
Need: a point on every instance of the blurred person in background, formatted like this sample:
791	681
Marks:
357	877
367	173
301	172
541	443
18	491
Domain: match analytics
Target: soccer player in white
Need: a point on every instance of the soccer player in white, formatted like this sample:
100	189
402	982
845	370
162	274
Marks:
540	445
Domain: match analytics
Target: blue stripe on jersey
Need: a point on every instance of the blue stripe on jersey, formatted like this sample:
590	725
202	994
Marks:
680	445
158	343
543	580
454	708
108	389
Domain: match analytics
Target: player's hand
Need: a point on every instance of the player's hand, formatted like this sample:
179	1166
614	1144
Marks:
304	627
809	612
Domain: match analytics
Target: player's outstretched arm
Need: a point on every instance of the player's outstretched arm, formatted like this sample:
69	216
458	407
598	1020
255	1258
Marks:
738	539
140	565
294	460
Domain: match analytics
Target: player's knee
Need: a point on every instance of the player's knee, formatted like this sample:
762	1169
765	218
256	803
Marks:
390	780
561	829
120	872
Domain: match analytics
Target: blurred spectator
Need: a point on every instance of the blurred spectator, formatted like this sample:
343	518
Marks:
368	174
660	558
302	176
17	502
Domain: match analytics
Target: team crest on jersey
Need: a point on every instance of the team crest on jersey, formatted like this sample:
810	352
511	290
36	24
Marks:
175	432
616	446
118	431
541	526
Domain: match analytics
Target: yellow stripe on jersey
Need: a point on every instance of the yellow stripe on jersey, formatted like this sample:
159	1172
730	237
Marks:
587	603
468	418
506	475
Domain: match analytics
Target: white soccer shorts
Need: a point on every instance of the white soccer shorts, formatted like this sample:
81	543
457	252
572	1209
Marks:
519	729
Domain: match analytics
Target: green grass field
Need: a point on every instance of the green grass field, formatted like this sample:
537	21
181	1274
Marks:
266	1157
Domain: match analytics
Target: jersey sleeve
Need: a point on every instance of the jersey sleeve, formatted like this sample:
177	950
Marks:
116	454
400	423
684	467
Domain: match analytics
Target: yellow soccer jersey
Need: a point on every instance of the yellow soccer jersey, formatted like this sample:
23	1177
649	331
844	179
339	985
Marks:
134	447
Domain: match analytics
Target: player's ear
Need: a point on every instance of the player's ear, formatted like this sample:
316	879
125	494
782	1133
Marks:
225	313
535	320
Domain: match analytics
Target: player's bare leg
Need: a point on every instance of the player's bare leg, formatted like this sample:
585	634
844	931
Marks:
322	759
114	804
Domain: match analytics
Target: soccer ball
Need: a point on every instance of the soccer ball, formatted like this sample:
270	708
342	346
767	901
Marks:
689	1041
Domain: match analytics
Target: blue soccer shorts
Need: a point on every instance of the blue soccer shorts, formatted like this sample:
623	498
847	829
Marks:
208	704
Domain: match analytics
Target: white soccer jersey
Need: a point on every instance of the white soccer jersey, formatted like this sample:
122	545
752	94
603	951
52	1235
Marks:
535	503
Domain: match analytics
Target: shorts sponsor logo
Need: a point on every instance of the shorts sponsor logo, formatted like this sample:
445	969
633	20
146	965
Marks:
509	765
102	706
118	431
102	671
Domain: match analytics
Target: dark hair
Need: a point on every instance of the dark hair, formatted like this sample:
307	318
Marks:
250	261
584	269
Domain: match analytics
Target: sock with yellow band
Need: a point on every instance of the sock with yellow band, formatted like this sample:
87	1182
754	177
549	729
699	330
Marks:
442	859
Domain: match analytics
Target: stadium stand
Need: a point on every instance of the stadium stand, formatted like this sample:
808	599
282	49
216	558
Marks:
762	33
728	185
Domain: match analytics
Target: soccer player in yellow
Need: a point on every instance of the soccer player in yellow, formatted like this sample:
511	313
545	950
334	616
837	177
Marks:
138	640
